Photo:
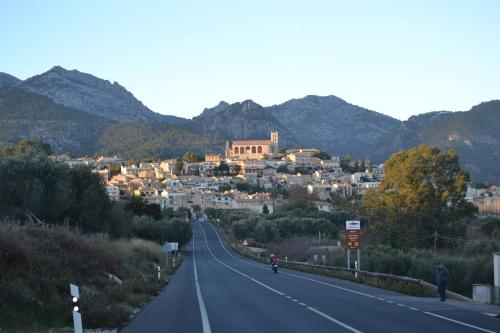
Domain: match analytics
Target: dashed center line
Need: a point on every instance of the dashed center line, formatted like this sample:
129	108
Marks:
352	291
322	314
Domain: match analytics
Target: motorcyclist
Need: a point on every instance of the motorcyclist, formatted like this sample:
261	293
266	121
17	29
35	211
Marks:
274	260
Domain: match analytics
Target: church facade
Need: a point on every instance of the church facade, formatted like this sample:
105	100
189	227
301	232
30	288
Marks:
252	149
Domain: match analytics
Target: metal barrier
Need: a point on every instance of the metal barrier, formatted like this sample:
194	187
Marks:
403	284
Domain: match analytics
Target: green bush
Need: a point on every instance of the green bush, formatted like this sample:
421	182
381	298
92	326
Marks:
300	219
417	263
56	194
174	230
38	263
240	229
491	226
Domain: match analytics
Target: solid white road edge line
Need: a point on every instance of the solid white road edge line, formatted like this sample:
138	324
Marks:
459	322
297	276
324	315
203	310
237	271
345	289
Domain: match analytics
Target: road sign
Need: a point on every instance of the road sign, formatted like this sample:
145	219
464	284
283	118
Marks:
353	239
245	243
170	246
352	225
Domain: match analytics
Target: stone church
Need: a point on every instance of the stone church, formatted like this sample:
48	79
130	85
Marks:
252	149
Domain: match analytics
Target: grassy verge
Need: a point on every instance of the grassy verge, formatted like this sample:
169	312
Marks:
37	264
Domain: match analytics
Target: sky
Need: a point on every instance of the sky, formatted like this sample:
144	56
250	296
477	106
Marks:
399	58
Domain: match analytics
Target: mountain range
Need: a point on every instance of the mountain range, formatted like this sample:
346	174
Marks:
82	114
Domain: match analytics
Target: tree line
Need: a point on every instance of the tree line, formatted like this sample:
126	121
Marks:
34	188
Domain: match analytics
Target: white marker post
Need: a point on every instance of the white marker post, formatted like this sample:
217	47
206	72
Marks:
77	316
496	277
159	274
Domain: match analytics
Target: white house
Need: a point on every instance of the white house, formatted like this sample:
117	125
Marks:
113	192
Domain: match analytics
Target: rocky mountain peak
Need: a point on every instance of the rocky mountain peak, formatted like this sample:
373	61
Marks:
7	80
249	105
85	92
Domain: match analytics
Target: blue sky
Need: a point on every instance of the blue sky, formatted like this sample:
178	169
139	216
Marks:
396	57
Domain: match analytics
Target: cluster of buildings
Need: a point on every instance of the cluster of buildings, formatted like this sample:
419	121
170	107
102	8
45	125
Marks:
254	164
486	199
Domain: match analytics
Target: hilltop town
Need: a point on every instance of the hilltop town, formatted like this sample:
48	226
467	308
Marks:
254	175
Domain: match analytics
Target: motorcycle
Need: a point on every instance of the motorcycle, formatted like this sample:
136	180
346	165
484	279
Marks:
275	268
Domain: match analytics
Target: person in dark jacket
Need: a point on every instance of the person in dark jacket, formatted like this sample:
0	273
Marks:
442	276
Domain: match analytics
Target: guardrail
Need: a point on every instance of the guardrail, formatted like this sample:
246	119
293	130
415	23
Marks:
403	284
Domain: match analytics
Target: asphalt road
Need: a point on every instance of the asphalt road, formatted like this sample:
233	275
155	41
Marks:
216	290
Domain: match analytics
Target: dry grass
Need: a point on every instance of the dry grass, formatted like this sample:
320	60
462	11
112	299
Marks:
37	264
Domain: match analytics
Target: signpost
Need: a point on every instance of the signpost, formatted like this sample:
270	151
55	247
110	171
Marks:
353	241
245	243
169	247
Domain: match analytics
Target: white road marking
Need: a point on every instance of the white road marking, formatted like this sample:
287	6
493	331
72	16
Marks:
288	297
293	299
237	271
491	314
303	304
352	329
342	288
459	322
274	290
389	301
297	276
399	304
203	310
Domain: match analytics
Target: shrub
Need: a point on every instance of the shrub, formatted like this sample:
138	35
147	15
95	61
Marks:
174	230
56	194
38	263
491	226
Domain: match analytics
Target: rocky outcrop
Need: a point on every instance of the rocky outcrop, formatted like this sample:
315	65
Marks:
7	80
333	125
245	120
85	92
